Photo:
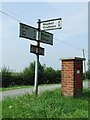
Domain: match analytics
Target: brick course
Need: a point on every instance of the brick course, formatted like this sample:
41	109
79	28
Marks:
69	79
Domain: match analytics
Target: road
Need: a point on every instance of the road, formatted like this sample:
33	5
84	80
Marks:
18	92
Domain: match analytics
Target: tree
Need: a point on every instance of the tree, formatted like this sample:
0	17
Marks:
41	74
28	74
57	76
88	72
6	76
52	76
88	65
46	75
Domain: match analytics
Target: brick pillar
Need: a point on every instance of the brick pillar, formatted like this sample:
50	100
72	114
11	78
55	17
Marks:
72	72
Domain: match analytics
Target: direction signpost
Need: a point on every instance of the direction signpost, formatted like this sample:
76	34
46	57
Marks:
34	49
46	37
28	32
39	35
51	24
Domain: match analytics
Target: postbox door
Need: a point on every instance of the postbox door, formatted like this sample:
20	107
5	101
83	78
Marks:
78	76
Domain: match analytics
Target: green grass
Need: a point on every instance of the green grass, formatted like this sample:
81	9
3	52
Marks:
86	80
14	88
0	110
49	104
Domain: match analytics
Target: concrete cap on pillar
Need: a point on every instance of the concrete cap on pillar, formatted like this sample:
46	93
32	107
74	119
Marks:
73	58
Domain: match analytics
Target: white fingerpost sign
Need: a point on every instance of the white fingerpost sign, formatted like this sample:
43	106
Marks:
51	24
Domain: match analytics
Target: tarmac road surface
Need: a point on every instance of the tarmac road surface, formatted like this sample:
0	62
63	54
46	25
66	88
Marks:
18	92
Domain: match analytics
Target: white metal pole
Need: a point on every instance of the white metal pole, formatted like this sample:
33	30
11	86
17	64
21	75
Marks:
37	61
36	75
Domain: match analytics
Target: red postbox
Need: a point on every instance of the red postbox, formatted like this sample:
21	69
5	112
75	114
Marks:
78	76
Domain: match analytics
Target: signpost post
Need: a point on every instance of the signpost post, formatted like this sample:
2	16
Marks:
39	35
37	61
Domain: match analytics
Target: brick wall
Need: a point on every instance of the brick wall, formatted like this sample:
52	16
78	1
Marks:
69	83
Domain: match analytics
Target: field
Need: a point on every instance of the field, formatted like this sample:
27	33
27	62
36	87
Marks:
49	104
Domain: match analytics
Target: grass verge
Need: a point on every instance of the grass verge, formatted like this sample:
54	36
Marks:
86	80
49	104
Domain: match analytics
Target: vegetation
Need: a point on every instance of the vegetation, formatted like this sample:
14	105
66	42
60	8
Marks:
88	71
47	75
0	110
47	105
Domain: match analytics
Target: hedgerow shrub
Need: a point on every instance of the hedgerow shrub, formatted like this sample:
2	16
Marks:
46	75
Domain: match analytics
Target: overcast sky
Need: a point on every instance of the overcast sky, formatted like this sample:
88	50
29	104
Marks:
68	41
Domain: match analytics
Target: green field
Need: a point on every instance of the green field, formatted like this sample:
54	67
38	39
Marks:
49	104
